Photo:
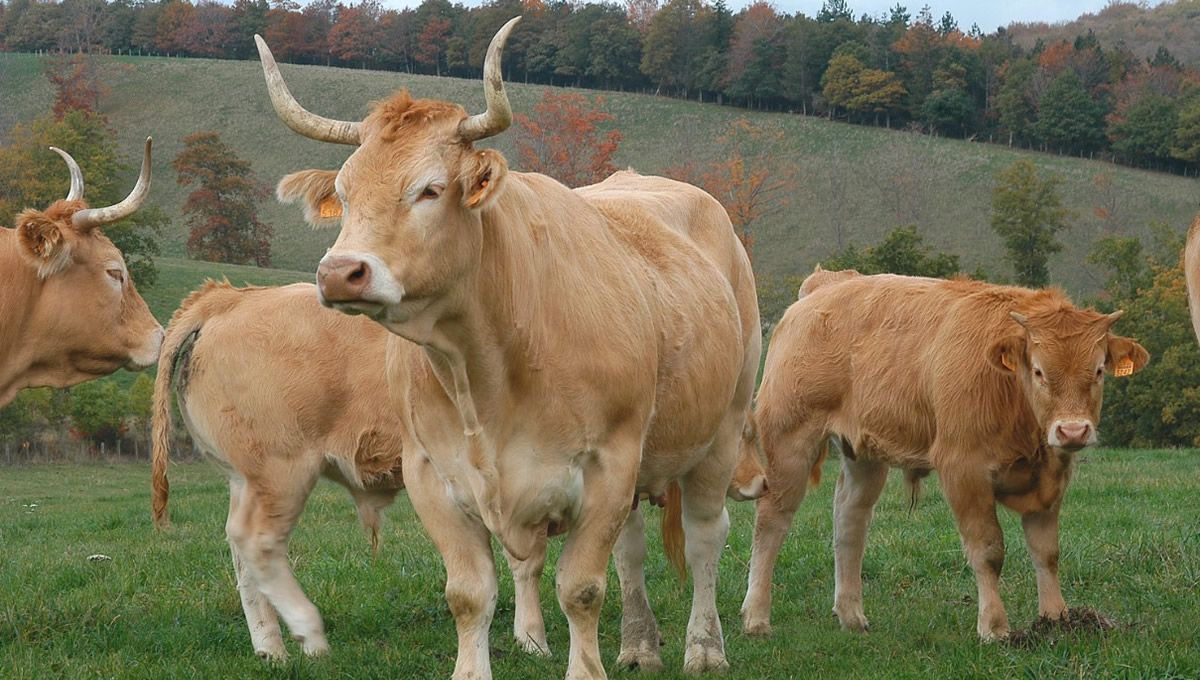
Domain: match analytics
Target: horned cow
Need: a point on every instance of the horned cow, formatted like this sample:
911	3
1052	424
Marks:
559	354
995	388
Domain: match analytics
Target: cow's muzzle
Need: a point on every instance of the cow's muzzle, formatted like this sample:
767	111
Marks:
343	279
1072	434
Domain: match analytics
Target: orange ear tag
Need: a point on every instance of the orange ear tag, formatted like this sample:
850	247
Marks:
329	206
1124	368
1007	364
478	195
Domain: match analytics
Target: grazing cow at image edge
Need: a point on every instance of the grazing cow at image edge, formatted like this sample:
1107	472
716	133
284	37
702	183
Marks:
280	391
68	310
570	351
1191	272
994	387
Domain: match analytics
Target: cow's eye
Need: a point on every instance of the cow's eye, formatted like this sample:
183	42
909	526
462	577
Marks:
1100	372
116	274
430	192
1037	372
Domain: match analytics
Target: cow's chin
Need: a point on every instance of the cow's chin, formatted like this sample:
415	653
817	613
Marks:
372	310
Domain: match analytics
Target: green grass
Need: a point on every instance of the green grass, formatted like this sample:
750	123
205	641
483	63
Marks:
166	605
869	180
178	277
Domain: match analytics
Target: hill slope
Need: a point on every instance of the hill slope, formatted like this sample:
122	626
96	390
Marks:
856	182
1174	24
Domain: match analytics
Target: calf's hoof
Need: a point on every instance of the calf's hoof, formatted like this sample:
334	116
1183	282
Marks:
756	627
271	653
853	621
701	659
533	646
642	659
314	646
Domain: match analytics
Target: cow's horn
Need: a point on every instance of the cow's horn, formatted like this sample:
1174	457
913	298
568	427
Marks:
1019	318
297	117
1110	319
94	217
76	191
498	116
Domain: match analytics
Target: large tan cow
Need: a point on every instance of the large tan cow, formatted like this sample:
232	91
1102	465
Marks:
569	351
993	387
1191	272
280	391
68	309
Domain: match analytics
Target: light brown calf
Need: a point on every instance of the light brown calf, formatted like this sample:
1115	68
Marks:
563	352
995	388
68	310
279	391
1191	272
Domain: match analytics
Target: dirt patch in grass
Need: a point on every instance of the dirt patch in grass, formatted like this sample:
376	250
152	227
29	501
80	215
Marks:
1077	620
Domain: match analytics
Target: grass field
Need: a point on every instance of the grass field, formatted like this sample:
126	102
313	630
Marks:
166	606
862	181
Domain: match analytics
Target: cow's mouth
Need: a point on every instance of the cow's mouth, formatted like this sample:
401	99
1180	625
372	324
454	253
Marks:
372	310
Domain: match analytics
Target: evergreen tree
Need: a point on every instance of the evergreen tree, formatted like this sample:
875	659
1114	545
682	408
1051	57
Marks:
1068	119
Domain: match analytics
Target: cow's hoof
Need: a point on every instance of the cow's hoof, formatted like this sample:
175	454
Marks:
756	627
315	646
996	635
272	653
854	622
533	646
702	659
641	659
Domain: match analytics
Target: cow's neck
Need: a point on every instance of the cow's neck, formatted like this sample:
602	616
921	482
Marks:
18	297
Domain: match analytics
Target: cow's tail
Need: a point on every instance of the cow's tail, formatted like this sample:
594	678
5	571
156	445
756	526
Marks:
674	543
181	332
912	480
1191	271
814	473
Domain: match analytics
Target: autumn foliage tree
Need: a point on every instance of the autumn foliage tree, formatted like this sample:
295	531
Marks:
76	82
222	212
564	139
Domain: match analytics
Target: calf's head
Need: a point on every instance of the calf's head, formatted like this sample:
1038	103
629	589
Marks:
1060	357
409	198
86	316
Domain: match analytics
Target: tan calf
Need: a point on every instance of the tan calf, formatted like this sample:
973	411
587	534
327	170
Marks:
68	310
995	388
563	352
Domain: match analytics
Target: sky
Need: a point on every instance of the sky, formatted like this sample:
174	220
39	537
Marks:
989	14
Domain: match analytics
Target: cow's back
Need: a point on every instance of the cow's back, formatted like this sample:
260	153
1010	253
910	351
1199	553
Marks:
271	369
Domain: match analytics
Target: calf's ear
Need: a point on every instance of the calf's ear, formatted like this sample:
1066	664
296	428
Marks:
314	189
1125	356
483	178
1007	353
44	241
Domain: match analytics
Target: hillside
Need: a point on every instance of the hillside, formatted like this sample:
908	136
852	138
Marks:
1174	24
177	277
857	181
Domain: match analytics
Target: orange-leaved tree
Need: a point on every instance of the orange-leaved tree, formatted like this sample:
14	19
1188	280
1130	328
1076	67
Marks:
563	138
222	212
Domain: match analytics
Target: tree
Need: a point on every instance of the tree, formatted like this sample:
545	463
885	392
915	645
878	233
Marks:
432	42
1147	129
1187	134
1028	214
902	251
563	138
97	409
1068	119
222	212
76	82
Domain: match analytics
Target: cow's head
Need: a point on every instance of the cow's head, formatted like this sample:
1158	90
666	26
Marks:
1059	356
749	477
409	198
87	317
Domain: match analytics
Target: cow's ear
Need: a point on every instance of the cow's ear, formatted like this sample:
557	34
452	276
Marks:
1125	356
314	189
483	178
1007	353
44	240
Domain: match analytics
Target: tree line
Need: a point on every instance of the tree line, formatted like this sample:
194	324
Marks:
897	69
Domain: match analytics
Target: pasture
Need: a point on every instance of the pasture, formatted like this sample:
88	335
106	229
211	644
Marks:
165	606
852	184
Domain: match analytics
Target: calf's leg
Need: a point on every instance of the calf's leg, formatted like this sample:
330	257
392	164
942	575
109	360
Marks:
261	617
529	629
858	489
1041	535
790	457
973	502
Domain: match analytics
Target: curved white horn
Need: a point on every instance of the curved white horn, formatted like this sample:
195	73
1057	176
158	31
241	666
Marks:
295	116
94	217
498	116
76	191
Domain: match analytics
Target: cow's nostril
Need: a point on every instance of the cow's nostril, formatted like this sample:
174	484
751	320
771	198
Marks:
359	273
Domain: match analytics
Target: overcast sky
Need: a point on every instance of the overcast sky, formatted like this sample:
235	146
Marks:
989	14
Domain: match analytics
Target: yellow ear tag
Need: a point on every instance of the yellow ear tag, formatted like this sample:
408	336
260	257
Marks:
1124	368
478	195
329	206
1007	364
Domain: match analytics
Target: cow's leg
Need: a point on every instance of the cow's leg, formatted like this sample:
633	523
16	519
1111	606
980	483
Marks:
858	489
259	529
580	577
466	550
529	629
789	461
261	618
706	526
972	500
639	630
1041	534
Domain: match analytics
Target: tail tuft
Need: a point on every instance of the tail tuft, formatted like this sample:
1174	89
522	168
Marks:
674	543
